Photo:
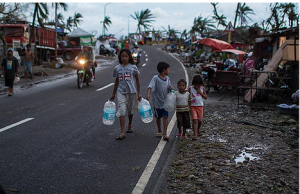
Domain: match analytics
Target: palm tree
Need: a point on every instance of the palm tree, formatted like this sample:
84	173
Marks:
77	19
40	13
73	22
243	12
220	19
106	22
69	23
144	19
203	25
62	5
171	32
183	34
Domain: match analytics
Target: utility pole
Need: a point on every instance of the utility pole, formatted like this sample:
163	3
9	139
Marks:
104	18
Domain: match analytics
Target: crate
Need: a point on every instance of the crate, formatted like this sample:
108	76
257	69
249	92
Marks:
288	50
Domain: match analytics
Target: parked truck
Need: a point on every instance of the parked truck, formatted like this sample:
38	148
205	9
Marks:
67	50
43	41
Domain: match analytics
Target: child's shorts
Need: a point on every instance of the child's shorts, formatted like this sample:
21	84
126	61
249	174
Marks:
127	101
158	113
183	120
197	113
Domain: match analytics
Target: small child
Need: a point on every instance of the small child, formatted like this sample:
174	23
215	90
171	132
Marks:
182	108
197	94
159	88
127	87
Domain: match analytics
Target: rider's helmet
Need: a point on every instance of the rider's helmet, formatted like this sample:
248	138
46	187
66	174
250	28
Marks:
135	45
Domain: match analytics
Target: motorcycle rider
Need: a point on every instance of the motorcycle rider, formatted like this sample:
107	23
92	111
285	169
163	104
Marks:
136	49
94	60
87	55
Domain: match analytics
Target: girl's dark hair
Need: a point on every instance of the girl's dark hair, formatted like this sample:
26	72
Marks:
197	79
162	65
181	80
129	54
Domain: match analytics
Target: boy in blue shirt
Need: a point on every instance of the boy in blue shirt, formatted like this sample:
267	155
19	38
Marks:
159	88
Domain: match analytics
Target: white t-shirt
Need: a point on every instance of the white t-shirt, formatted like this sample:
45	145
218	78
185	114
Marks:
196	99
127	81
182	101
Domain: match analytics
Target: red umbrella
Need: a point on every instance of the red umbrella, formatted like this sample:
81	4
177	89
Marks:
215	44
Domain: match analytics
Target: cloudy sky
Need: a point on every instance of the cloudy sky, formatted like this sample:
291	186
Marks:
178	15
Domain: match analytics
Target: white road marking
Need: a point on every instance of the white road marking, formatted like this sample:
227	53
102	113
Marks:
15	124
146	55
146	59
144	65
105	87
140	186
142	183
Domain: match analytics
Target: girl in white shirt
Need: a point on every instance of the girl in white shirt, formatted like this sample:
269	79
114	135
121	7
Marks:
197	94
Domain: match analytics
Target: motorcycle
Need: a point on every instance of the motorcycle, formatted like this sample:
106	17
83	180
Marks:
82	75
136	57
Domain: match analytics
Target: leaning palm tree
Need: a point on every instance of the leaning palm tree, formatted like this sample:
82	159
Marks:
40	13
77	19
243	12
144	19
220	19
106	22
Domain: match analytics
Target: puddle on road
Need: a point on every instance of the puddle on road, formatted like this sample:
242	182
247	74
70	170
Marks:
246	155
217	139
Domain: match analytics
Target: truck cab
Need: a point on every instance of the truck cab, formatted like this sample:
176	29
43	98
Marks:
67	50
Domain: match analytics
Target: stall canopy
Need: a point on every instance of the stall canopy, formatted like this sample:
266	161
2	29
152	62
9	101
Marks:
85	37
215	44
237	52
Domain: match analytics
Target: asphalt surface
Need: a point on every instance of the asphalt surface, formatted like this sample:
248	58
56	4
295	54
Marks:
65	147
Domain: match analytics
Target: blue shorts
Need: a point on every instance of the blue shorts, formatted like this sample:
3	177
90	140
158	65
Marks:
158	113
27	67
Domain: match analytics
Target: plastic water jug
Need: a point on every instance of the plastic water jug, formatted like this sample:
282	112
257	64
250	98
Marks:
145	111
109	113
170	101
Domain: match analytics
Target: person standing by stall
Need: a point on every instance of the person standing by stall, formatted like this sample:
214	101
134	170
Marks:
11	66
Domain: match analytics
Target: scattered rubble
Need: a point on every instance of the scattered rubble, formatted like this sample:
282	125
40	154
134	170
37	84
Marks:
258	155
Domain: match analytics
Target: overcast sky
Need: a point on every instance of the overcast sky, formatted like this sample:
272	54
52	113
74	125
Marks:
178	15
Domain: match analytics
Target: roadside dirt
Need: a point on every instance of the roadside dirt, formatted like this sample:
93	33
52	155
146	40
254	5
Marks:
233	157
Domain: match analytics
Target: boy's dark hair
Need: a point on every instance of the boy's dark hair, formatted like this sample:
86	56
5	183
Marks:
197	79
28	45
129	54
162	65
181	80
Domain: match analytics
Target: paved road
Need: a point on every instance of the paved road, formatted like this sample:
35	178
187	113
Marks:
60	144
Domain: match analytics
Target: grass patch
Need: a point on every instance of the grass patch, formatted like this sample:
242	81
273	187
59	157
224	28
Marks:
212	145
